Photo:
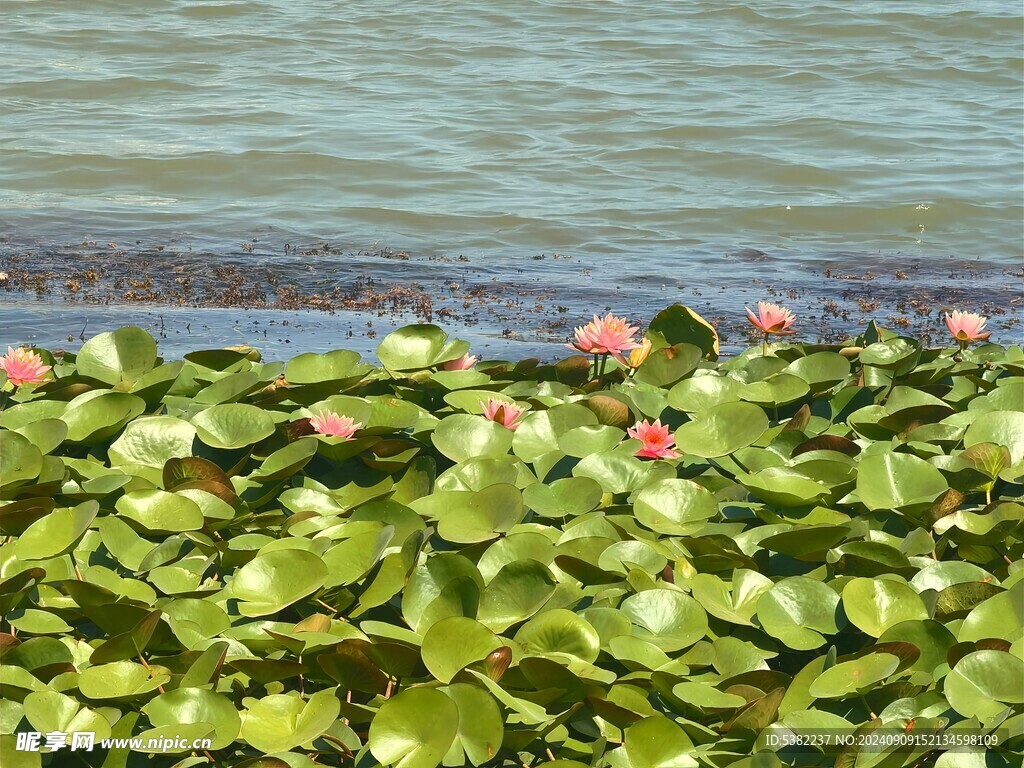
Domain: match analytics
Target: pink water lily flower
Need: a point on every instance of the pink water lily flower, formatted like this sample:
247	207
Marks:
331	424
23	366
656	438
506	414
463	363
771	318
605	336
966	327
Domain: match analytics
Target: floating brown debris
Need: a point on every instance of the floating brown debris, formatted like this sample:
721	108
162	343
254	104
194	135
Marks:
540	302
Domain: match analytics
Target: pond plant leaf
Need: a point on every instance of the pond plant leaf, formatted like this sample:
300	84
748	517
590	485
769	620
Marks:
835	542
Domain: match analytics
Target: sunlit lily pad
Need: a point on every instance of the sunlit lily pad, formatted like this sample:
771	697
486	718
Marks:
722	429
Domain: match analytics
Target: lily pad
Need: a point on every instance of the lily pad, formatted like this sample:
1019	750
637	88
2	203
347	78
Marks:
875	605
674	506
414	729
280	722
983	683
454	643
721	430
670	620
799	611
233	425
277	579
898	481
851	677
416	347
560	631
126	354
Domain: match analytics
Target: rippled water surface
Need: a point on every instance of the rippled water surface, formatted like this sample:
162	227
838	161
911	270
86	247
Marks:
650	139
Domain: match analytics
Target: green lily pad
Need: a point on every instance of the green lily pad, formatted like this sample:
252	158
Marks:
799	611
820	369
983	683
851	677
585	440
454	643
120	679
461	437
559	631
94	416
45	434
670	620
192	706
153	440
22	460
619	472
416	347
721	430
735	602
126	354
657	742
49	711
875	605
1005	428
699	393
277	579
568	497
414	729
780	389
467	517
674	506
670	364
233	425
679	324
706	696
516	593
160	511
785	487
998	616
280	722
898	481
331	367
891	354
481	726
539	434
57	532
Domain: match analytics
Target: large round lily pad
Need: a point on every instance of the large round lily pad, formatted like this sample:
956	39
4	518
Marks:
279	722
453	643
187	706
799	611
276	579
984	682
122	355
560	631
232	425
1004	428
414	729
898	481
874	605
670	620
722	429
674	506
418	346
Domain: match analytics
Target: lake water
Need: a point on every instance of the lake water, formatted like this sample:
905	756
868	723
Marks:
710	151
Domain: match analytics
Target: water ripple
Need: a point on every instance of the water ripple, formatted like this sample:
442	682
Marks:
601	128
